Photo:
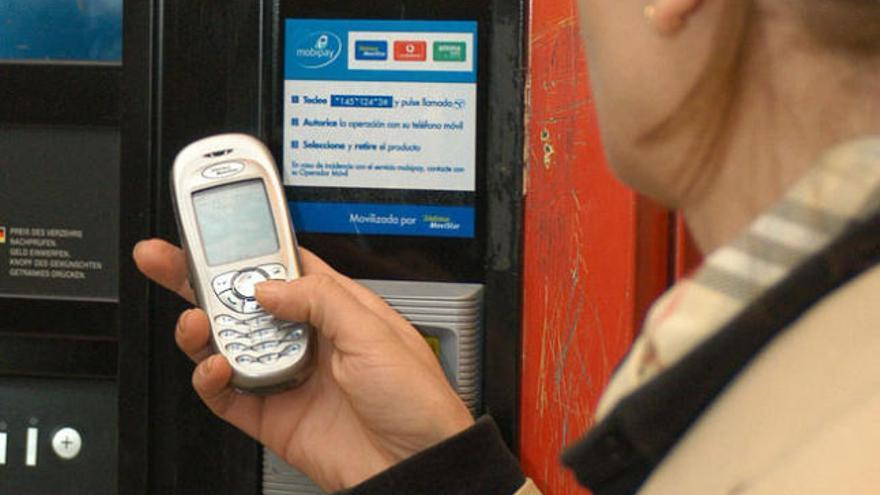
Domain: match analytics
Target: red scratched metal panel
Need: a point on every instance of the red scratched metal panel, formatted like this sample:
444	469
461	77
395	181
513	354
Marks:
588	240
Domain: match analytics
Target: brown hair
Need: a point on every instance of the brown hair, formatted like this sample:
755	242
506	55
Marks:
849	25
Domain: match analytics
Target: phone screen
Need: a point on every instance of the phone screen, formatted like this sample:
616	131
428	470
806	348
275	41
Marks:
235	222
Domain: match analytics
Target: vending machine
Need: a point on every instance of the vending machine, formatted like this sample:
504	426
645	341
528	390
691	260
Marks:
409	163
60	112
398	133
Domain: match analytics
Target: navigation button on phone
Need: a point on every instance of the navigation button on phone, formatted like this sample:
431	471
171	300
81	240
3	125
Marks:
275	271
223	283
232	301
244	284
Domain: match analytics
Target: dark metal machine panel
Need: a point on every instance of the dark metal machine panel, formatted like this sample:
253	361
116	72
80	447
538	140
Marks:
57	436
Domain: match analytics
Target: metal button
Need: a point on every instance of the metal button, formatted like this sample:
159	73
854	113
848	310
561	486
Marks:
67	443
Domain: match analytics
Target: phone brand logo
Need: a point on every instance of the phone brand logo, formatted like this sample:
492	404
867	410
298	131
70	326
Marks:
371	50
222	170
410	51
317	50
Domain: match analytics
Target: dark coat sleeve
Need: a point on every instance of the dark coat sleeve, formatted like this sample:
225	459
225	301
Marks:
476	461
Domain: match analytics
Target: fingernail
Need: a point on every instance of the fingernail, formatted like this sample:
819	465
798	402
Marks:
269	290
181	326
136	247
207	366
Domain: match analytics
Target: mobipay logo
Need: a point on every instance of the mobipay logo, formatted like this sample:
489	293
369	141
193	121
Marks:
318	50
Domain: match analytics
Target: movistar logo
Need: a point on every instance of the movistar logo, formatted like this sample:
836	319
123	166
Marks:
318	50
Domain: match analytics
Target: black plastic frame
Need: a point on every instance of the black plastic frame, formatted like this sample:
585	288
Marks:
136	186
58	94
29	93
204	79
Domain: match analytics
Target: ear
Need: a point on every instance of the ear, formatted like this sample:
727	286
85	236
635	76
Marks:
669	16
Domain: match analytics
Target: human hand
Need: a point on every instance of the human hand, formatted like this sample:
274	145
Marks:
376	397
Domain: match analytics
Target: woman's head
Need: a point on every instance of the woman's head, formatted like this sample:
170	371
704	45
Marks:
697	96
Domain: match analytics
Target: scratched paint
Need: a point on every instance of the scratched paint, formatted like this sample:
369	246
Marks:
548	148
588	240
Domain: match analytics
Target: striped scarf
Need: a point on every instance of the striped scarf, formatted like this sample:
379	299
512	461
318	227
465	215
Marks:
843	187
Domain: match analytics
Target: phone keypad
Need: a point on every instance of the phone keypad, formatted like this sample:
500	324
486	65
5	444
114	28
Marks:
252	344
254	337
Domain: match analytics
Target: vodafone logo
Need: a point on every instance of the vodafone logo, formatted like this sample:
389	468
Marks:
410	51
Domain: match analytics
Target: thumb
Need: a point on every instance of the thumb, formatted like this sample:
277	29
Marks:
324	303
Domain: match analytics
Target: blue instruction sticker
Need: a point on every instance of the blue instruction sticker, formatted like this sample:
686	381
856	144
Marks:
382	105
383	219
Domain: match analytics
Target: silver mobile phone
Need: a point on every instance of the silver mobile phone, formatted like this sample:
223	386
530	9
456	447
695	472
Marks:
236	230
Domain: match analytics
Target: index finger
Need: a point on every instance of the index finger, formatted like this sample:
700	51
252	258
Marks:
165	264
312	264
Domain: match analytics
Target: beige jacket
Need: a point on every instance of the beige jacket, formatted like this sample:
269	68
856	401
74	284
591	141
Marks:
803	418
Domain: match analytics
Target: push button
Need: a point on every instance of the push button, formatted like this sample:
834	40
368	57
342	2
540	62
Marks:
67	443
245	359
232	301
231	335
263	333
227	320
293	336
244	284
275	271
251	306
223	283
260	321
291	350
